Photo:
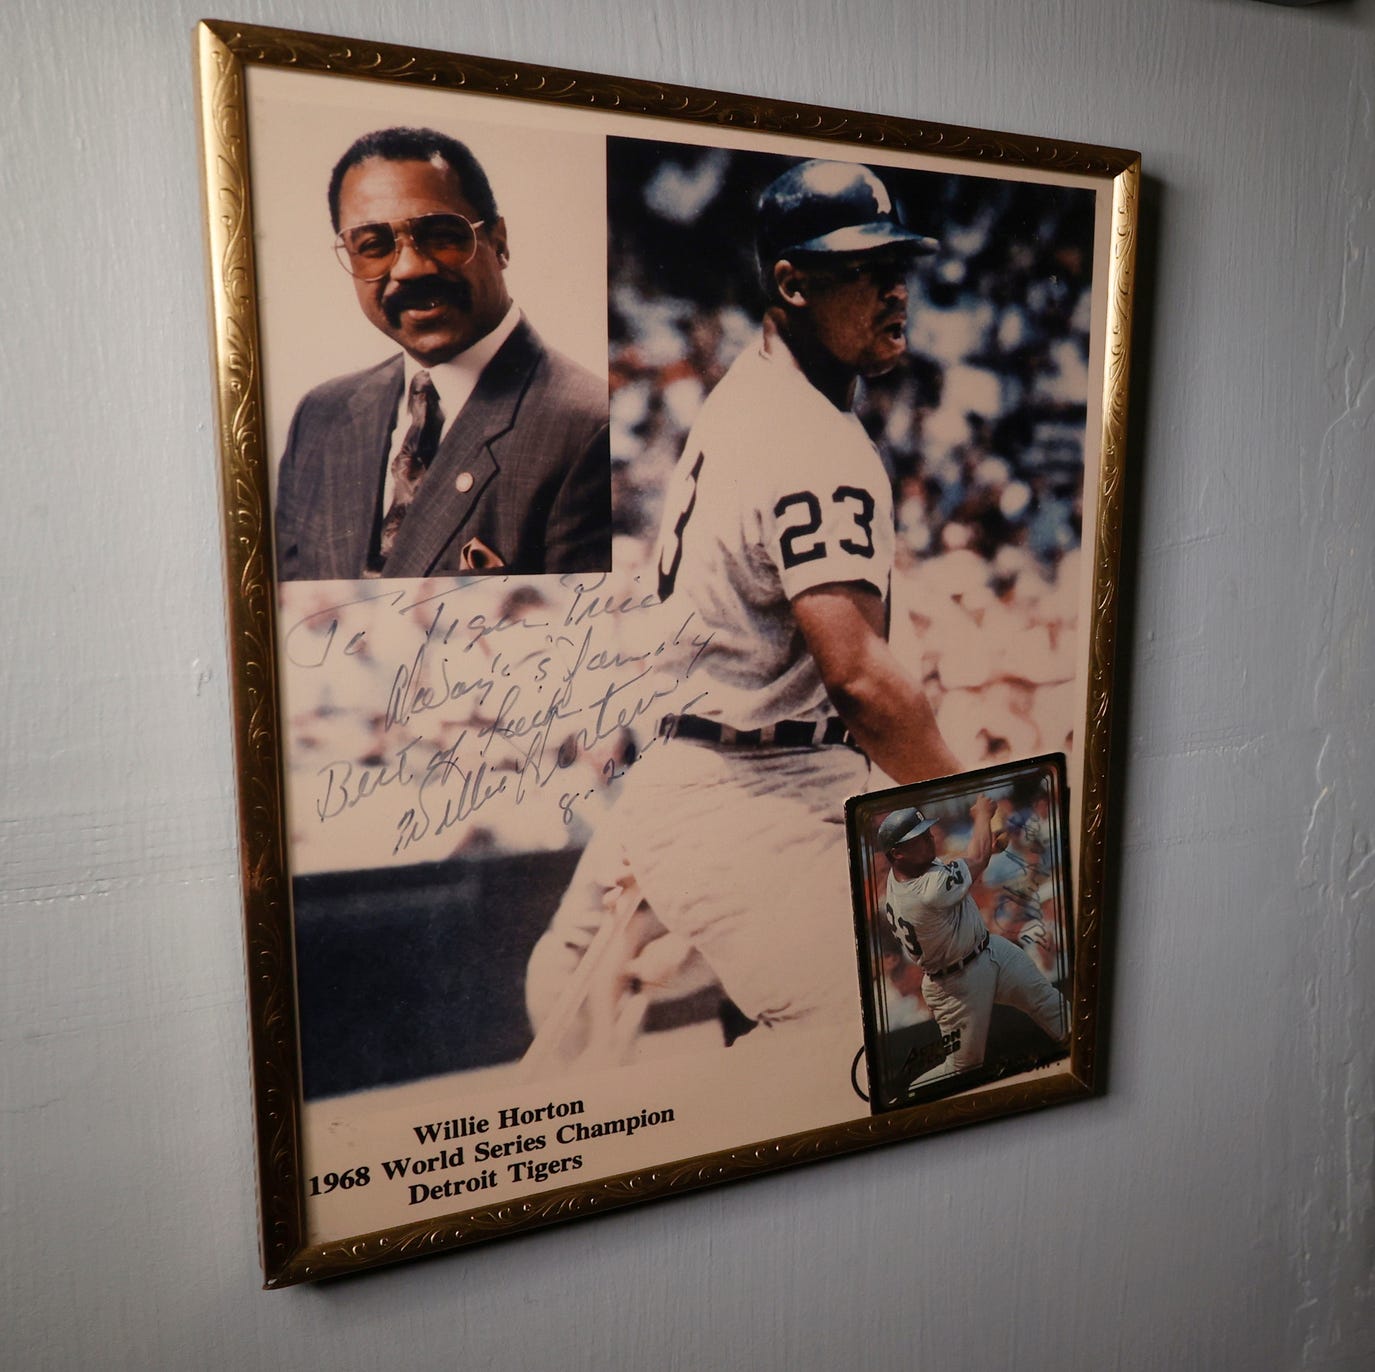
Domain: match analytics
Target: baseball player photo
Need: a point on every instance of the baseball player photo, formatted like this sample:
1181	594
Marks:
776	543
963	919
768	415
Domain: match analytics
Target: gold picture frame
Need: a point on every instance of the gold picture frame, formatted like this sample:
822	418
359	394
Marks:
651	168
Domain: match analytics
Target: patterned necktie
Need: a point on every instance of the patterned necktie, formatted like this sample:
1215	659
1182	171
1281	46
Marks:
410	464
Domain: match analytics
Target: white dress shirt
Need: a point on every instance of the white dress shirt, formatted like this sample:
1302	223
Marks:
454	381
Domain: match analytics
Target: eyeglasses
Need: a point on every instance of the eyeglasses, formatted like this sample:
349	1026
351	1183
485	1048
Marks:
370	251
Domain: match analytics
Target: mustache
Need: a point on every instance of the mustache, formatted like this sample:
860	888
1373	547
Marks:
434	290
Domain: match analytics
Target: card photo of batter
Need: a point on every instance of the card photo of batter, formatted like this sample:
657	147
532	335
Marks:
963	918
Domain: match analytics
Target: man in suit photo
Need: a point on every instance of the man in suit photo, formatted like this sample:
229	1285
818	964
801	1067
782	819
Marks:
478	448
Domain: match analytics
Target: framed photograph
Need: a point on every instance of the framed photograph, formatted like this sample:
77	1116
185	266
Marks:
617	479
964	924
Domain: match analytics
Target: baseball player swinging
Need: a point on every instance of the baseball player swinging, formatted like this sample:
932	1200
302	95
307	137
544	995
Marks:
937	924
778	537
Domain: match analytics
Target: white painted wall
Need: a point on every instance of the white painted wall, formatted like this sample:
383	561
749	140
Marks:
1213	1211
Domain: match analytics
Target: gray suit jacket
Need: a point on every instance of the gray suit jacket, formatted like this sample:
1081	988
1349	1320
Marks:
525	469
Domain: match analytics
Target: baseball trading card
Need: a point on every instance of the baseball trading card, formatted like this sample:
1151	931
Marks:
965	930
609	498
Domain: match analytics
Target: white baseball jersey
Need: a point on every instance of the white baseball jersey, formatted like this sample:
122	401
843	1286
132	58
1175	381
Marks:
938	925
933	915
777	492
741	850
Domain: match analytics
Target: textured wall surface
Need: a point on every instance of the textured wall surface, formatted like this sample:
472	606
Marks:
1213	1210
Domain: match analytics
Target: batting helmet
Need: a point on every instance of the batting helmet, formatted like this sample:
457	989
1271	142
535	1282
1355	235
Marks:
830	207
900	826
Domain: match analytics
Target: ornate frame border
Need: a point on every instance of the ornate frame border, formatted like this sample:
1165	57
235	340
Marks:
223	51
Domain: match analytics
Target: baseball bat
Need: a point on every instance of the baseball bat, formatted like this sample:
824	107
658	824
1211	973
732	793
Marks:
544	1047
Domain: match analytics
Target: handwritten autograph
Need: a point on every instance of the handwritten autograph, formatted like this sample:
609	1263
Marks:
531	710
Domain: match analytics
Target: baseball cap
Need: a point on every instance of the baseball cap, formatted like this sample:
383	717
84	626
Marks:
831	207
900	826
